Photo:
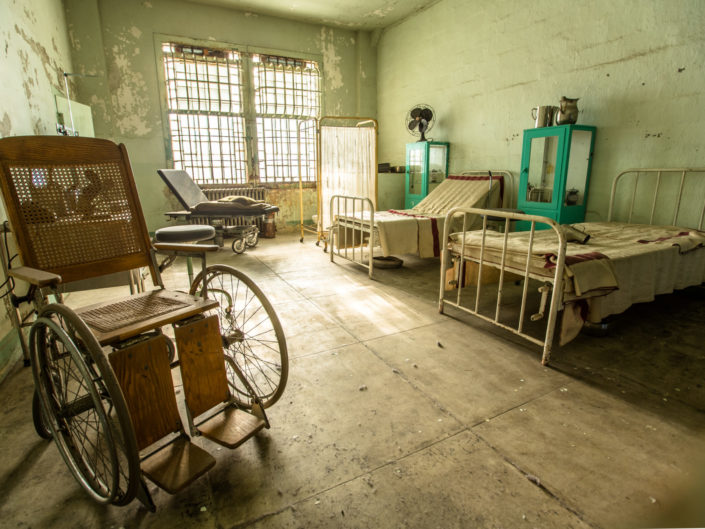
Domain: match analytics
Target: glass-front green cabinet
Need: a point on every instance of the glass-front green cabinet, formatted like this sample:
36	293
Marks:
426	167
555	173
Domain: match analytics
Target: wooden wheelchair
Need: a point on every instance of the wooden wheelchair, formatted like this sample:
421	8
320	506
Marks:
103	373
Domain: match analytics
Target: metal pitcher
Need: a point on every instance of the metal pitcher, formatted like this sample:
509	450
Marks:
543	116
567	111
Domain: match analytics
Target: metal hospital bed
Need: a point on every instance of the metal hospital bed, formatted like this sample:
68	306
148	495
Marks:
357	229
217	212
652	243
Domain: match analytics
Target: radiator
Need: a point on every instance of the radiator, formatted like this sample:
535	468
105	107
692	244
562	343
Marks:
215	193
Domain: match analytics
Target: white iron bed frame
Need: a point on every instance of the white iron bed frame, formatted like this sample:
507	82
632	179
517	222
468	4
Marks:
554	283
354	231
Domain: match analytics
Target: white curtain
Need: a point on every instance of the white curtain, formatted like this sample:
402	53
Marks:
347	166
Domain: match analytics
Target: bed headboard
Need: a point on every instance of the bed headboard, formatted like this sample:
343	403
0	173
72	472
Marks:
505	179
674	196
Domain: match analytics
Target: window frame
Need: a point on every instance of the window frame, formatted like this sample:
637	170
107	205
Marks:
248	97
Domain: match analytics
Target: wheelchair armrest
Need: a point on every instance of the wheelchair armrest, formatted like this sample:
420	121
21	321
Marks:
191	248
35	276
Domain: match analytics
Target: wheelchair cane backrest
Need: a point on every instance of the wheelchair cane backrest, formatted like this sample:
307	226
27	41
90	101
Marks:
73	206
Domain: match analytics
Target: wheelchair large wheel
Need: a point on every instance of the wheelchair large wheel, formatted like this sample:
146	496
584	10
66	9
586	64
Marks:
83	406
40	423
252	334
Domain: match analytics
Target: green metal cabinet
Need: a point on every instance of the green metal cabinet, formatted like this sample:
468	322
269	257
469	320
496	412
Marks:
555	173
426	167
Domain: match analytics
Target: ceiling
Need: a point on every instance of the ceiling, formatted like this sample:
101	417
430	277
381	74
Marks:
358	14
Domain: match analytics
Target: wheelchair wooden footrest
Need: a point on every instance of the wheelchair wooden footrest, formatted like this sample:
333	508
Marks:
231	427
177	465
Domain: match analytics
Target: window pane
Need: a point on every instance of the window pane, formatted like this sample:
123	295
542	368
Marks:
287	92
286	87
210	148
207	117
279	146
204	98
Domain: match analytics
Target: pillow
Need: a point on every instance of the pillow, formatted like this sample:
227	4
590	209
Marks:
575	235
239	199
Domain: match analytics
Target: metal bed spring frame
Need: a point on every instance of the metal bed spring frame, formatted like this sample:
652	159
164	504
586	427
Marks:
555	285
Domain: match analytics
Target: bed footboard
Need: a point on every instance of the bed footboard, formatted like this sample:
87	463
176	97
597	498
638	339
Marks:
470	264
352	230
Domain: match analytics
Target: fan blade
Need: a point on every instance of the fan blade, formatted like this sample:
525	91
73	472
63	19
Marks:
423	125
416	112
413	123
426	114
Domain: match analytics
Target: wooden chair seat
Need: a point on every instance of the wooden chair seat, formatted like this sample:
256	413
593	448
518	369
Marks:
127	317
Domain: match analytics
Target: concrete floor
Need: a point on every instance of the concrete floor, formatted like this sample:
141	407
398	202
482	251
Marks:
396	416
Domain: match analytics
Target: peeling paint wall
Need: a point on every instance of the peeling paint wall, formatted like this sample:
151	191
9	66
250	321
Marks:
34	53
116	40
636	65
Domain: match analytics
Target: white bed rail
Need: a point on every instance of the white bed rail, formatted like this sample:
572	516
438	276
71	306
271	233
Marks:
554	284
657	173
352	221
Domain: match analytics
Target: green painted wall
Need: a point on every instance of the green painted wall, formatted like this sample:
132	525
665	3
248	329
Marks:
116	41
636	65
34	51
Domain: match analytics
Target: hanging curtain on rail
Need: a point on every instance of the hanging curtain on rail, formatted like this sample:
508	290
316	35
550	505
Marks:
348	156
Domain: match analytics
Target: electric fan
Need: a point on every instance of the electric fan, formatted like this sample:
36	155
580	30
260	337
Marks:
419	120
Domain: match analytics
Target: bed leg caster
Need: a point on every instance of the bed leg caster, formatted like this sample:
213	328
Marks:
545	289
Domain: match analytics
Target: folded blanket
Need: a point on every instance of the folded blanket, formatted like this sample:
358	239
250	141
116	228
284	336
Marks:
591	272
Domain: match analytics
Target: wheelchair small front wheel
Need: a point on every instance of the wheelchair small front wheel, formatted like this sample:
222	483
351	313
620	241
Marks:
251	332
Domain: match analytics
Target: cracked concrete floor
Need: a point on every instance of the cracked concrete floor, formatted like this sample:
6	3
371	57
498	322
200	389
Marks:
396	416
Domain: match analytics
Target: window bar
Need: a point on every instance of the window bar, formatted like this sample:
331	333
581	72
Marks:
203	102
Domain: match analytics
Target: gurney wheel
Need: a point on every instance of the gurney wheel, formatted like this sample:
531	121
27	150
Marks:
83	407
252	239
252	334
239	246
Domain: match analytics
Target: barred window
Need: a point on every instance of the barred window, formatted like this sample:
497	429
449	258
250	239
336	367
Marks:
209	115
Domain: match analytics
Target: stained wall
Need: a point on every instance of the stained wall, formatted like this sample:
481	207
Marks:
636	65
34	53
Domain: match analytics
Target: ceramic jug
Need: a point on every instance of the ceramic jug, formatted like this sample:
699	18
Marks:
567	111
